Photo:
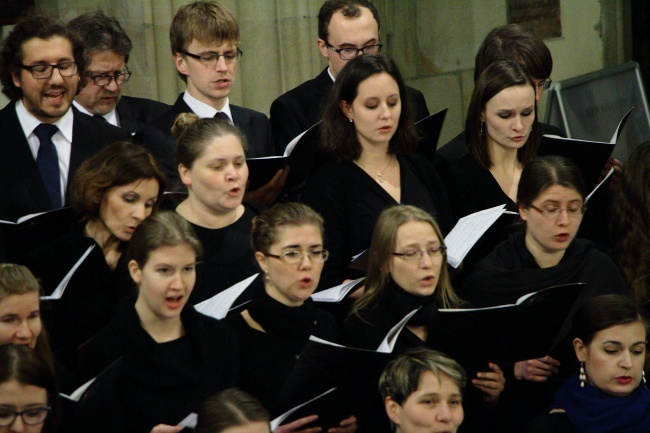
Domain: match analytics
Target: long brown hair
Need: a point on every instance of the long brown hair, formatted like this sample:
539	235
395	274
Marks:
631	222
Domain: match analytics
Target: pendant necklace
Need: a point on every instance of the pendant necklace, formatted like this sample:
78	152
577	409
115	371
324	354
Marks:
380	176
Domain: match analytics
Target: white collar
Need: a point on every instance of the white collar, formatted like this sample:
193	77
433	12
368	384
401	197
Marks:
204	110
28	122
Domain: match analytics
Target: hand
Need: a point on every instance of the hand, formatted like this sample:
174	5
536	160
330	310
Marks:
164	428
267	195
491	384
294	427
536	370
618	171
348	425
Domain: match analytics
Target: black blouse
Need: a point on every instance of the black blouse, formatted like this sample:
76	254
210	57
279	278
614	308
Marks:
350	202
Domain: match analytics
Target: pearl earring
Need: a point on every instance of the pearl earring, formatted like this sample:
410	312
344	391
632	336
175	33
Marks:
583	375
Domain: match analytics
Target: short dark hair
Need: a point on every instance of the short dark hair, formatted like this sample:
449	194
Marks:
604	311
20	363
349	9
102	33
546	171
498	76
513	42
161	229
207	22
338	134
34	26
229	408
117	164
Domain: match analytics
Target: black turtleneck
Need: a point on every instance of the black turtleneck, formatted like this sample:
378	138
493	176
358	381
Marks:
276	350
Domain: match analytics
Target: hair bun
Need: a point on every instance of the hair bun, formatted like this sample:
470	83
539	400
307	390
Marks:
182	122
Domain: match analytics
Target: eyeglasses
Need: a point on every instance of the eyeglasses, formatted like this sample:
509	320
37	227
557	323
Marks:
42	71
295	257
351	53
412	255
105	79
544	84
32	416
211	59
554	212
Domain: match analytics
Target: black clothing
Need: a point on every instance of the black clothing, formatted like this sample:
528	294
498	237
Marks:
267	358
557	422
90	298
456	148
134	113
350	202
299	109
510	272
228	257
154	382
22	191
156	136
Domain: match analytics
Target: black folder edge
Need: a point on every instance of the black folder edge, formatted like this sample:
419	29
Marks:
429	130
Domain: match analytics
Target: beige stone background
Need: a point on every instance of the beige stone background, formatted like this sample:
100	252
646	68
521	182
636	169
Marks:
433	42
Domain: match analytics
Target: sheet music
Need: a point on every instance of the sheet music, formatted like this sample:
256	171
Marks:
336	293
387	345
276	422
611	171
189	421
620	126
76	395
219	305
467	231
58	292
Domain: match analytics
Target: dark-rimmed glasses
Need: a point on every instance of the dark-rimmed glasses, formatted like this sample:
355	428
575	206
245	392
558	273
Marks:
572	211
351	53
211	59
295	257
104	80
32	416
544	84
412	255
44	70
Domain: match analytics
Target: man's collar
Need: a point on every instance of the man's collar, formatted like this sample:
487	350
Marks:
28	122
204	110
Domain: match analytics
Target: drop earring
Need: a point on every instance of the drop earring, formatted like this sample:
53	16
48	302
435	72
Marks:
481	131
266	277
643	376
583	375
350	119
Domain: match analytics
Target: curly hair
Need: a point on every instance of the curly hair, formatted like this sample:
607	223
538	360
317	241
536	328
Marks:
35	26
631	222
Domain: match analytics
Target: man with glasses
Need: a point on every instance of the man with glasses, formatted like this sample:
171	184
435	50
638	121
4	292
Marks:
43	140
346	29
205	45
107	52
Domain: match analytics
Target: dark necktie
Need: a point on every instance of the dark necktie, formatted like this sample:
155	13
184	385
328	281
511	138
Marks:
223	116
48	163
100	117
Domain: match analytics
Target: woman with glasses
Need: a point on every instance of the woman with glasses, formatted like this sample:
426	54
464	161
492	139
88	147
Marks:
550	201
163	357
407	270
368	129
275	326
112	193
608	393
29	398
211	156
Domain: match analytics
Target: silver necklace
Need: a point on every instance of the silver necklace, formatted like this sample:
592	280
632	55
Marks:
380	176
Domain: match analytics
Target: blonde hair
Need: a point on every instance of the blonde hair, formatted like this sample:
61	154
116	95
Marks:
381	252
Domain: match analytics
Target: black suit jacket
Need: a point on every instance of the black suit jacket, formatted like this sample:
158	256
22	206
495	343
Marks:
22	190
157	139
300	108
134	113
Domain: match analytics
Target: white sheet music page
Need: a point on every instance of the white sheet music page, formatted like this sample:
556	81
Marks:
219	305
467	231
